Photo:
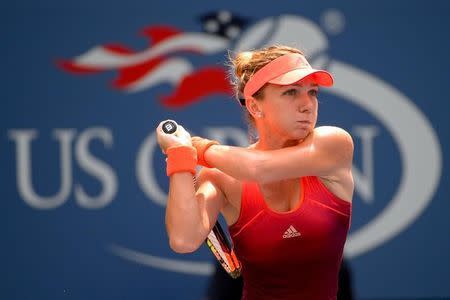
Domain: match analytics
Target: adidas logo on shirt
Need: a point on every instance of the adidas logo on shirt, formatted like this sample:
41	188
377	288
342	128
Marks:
291	232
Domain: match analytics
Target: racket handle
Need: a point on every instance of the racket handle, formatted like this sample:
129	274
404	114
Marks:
169	126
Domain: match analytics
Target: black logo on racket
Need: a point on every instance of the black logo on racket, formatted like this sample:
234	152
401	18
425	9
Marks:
169	127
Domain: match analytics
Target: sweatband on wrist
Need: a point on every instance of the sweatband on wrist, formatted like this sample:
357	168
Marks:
202	145
181	159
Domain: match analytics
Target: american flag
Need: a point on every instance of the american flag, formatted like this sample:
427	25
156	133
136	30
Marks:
162	63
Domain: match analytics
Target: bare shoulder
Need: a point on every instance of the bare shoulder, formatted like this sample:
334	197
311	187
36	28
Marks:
209	176
333	134
229	187
337	142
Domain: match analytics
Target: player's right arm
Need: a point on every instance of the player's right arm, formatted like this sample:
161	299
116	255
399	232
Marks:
190	213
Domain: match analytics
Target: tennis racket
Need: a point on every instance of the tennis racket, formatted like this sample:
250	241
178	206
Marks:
217	241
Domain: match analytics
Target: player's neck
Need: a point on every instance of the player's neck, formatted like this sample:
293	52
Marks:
273	142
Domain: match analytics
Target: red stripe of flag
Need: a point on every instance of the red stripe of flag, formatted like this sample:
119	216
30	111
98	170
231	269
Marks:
195	86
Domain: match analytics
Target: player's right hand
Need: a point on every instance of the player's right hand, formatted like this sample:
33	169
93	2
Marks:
166	140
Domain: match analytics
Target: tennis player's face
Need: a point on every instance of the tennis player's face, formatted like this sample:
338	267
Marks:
291	110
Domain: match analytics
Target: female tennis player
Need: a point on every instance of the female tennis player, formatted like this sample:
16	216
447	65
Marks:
286	198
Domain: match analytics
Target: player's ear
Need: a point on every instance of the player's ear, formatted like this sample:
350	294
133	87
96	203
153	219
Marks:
254	107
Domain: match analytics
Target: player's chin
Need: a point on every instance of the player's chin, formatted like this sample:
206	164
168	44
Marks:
302	131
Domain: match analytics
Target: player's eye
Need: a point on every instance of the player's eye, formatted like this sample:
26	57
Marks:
313	92
291	92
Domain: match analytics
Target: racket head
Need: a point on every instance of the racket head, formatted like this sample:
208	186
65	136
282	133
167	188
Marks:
222	249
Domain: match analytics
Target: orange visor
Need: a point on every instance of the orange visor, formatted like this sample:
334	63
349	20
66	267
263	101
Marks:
284	70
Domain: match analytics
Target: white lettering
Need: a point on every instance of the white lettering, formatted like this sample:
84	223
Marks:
364	181
97	168
23	140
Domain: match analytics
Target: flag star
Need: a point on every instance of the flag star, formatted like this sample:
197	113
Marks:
211	26
224	16
232	31
223	23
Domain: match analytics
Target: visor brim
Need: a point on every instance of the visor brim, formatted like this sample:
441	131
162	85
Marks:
321	77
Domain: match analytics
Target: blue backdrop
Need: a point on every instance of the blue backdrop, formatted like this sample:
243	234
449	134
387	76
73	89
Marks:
86	83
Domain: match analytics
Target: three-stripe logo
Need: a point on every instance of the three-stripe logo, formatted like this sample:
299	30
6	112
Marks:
291	232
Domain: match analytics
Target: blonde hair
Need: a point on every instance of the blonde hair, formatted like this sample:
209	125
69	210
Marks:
246	63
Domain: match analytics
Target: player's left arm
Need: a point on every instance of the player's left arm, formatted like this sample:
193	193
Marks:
324	152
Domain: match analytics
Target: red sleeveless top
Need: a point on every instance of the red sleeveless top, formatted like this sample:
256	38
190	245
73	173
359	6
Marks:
295	254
